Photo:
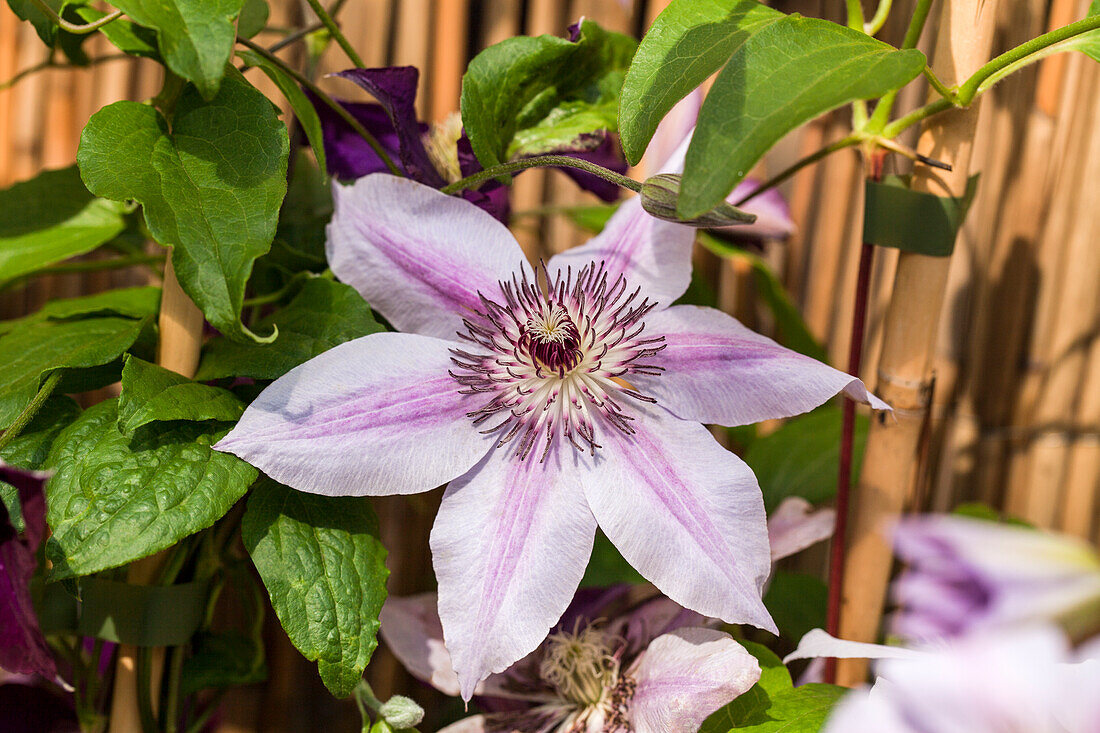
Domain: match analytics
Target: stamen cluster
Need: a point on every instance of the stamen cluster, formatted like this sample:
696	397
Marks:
552	360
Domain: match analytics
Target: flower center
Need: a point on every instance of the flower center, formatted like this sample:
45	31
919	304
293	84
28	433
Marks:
580	666
552	362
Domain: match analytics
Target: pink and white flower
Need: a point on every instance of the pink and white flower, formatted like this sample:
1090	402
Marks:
550	400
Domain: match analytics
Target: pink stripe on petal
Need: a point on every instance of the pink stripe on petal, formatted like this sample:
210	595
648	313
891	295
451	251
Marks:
418	256
686	675
686	513
718	371
375	416
509	546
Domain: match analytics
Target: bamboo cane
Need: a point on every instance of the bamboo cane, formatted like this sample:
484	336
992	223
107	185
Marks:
449	57
178	349
890	462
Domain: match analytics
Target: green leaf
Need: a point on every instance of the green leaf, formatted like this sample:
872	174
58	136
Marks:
223	660
125	302
324	567
801	458
9	497
211	188
153	394
1087	43
797	710
796	602
115	499
689	41
128	37
253	18
786	74
303	109
606	566
34	349
50	218
30	449
590	217
774	677
195	36
527	95
322	315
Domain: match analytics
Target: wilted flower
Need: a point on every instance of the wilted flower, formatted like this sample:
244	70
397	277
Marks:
966	574
1024	679
550	402
606	667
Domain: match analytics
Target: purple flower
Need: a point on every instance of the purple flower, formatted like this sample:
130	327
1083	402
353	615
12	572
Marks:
434	155
965	574
23	649
550	402
1026	679
648	669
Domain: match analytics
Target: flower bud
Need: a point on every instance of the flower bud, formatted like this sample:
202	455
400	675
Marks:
660	193
401	712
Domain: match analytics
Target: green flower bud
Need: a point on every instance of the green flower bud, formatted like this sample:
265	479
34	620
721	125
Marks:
401	712
661	192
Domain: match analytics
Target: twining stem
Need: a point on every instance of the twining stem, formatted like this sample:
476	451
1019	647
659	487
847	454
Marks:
78	29
844	142
329	102
885	106
882	12
335	31
939	86
28	413
295	36
855	22
541	161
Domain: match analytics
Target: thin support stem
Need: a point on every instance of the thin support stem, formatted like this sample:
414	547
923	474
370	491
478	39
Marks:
50	63
171	704
847	434
328	101
28	413
79	29
334	29
844	142
882	12
542	161
295	37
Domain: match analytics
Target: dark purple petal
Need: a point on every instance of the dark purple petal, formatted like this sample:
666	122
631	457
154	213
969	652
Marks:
348	154
607	154
30	709
395	89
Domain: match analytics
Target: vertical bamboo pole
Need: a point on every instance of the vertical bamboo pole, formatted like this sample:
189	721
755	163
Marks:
178	349
890	461
449	58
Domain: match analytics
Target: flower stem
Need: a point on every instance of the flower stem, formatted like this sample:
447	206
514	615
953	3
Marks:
334	29
28	413
560	161
328	101
78	29
847	432
882	12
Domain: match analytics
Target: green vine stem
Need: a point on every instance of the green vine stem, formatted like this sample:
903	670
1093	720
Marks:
882	12
844	142
28	413
336	33
542	161
885	106
114	263
78	29
328	101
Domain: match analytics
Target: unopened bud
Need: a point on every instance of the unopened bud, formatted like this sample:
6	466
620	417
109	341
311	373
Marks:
661	192
401	712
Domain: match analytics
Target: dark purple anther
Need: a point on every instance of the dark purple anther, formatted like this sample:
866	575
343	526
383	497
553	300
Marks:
552	339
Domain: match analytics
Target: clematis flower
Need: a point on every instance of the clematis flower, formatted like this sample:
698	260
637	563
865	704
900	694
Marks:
550	403
436	154
966	574
650	668
1024	679
23	649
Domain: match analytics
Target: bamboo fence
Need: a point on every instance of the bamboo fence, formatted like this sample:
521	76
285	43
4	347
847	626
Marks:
1015	416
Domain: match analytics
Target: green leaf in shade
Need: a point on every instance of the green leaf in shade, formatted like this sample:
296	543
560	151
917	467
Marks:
125	302
253	18
322	315
324	568
303	109
211	189
607	567
50	218
31	448
688	41
223	660
796	602
785	74
797	710
195	37
801	458
793	332
154	394
527	95
34	349
114	499
128	37
9	497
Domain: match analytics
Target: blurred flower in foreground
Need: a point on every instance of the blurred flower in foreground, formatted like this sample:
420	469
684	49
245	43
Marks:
966	574
436	154
551	402
1024	679
649	669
